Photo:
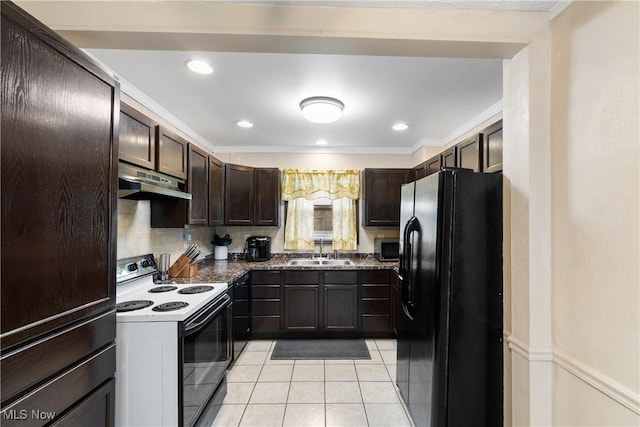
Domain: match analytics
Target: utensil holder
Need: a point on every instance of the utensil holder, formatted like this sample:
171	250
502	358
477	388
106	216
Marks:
220	252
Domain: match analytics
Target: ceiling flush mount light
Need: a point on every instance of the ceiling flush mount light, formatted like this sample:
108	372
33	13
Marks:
400	126
244	124
199	67
322	142
321	109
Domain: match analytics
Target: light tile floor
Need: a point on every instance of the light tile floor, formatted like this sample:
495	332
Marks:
264	392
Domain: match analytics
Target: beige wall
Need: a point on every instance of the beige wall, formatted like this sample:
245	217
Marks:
595	212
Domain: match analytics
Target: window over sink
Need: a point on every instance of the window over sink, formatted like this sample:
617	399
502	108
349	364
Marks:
321	207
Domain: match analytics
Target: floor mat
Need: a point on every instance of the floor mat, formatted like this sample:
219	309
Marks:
321	349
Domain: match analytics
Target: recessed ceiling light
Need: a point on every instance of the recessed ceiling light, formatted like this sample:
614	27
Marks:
198	66
321	109
400	126
322	142
244	124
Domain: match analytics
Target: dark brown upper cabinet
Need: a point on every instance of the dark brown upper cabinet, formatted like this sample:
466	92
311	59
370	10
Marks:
434	164
418	172
449	158
216	191
171	154
198	186
251	195
382	196
137	138
469	154
492	148
267	196
238	192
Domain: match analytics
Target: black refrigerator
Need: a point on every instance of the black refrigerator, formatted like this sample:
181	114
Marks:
449	322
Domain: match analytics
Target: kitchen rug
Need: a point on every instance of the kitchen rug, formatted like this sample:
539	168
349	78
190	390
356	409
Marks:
320	349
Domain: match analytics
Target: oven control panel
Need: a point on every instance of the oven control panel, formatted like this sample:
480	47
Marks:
134	267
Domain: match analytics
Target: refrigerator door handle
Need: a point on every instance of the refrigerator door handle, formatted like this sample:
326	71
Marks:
409	273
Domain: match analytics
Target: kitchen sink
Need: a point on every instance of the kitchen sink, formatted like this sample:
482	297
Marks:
337	262
320	262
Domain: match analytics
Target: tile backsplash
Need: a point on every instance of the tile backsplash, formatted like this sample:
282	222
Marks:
136	237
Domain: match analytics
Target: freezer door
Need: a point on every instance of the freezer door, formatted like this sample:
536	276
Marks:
472	304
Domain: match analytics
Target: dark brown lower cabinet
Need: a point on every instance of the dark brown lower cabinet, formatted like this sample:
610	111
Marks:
81	395
301	301
265	303
99	405
340	297
340	308
376	307
301	308
321	303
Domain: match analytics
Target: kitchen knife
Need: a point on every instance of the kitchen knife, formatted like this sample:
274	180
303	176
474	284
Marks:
191	250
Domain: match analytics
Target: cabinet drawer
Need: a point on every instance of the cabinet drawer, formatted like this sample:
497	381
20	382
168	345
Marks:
373	291
272	292
32	364
265	278
301	277
375	306
265	324
65	389
375	323
266	308
341	277
375	276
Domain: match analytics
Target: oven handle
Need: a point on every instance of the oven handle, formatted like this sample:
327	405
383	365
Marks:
195	324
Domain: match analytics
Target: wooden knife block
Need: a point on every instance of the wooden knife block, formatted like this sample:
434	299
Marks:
189	271
183	268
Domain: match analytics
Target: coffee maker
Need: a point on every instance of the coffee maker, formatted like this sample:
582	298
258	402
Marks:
258	248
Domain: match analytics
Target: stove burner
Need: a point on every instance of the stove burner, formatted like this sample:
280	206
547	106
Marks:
170	306
132	305
195	289
157	289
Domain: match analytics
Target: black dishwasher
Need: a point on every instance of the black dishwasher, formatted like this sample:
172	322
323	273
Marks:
241	315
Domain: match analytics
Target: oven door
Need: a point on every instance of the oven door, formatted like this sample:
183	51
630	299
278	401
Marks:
205	357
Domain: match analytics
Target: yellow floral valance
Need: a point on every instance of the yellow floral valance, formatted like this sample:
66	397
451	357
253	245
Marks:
313	185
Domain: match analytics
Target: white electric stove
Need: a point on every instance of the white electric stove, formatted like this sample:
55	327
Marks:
172	347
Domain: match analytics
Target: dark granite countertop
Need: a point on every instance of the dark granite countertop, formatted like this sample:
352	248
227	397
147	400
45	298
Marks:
210	271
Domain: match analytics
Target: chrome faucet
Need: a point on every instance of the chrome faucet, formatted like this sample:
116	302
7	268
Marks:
321	246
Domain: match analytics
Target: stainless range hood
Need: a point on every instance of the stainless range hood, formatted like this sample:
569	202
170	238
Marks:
136	183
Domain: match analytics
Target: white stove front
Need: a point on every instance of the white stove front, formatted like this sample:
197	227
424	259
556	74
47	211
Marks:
139	290
147	352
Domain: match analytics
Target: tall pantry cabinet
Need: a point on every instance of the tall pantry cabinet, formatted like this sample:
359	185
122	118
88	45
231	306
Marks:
58	228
